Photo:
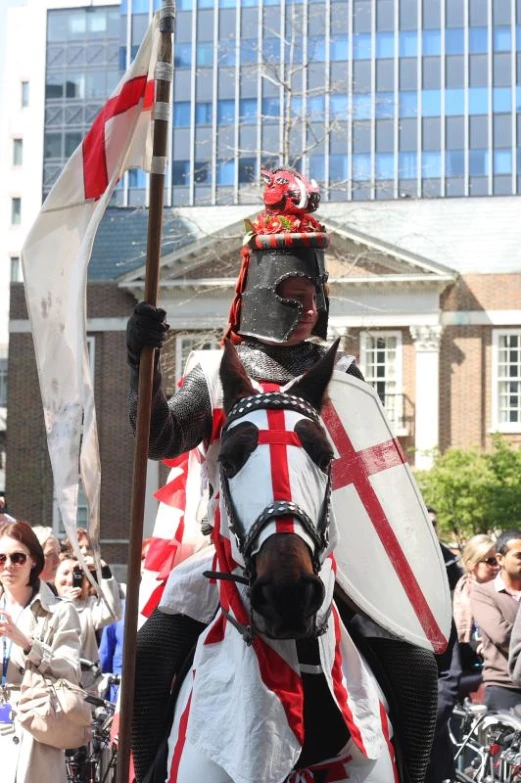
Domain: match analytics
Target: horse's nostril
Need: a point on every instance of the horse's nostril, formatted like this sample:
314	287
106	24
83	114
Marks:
315	595
259	596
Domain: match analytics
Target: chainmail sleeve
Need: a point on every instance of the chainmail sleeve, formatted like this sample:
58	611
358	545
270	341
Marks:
180	423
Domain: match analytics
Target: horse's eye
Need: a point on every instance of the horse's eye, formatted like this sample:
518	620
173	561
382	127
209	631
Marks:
281	181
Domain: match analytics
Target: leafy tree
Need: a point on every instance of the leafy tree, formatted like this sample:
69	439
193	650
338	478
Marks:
474	492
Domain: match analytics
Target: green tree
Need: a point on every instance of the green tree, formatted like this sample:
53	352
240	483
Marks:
474	492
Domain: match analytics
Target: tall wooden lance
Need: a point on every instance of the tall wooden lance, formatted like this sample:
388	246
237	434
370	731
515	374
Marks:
163	78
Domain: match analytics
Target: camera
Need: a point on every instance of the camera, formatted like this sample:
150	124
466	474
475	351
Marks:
77	577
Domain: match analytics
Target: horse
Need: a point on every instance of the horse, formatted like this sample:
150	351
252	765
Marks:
278	690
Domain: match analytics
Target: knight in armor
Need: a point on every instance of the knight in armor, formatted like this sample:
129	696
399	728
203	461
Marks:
281	302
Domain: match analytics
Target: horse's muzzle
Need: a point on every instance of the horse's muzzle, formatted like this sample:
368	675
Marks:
287	610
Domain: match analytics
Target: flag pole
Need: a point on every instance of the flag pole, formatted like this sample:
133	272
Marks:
163	79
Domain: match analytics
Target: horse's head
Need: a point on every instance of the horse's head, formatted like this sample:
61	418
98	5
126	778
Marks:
275	462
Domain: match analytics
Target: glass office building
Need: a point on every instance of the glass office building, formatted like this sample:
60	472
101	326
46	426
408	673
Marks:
82	69
376	99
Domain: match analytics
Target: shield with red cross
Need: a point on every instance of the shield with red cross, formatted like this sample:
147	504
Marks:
388	557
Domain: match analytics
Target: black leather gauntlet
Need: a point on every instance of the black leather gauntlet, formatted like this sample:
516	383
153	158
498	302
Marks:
146	328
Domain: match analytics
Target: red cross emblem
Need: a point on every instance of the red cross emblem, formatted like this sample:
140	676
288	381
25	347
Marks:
356	468
95	173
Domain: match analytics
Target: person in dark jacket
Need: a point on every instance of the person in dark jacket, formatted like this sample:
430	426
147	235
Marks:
454	571
441	765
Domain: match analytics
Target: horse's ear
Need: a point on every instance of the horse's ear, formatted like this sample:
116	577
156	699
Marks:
313	384
234	378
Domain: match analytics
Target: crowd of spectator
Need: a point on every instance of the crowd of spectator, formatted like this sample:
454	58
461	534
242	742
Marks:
59	622
483	661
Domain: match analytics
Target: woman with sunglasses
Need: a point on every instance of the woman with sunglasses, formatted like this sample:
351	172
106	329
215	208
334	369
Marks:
35	627
480	565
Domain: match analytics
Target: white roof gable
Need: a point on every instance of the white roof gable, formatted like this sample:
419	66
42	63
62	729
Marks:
465	234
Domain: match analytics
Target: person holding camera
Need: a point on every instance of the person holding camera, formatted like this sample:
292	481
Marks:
94	611
38	632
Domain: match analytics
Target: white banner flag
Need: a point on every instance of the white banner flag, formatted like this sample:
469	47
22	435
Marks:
55	258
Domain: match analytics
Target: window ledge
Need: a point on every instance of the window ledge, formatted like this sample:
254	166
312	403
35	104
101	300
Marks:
506	429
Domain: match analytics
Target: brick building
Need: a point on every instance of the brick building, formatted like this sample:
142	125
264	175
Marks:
425	293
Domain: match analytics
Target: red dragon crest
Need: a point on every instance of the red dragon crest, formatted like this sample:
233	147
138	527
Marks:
287	192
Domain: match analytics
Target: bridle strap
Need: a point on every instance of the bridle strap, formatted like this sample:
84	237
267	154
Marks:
281	508
271	401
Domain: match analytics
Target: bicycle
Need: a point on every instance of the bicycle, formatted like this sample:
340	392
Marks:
487	744
96	762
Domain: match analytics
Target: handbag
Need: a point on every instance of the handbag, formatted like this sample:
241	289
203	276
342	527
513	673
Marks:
53	711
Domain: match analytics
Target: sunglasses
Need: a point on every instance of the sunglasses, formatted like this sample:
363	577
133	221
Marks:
490	561
17	558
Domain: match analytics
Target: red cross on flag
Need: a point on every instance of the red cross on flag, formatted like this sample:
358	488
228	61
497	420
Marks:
388	557
55	257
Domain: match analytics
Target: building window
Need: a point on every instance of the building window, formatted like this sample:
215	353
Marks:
182	114
362	106
3	383
270	109
16	211
203	113
338	107
431	164
362	46
408	165
225	172
317	168
479	163
186	343
248	110
381	364
478	40
384	45
204	55
478	100
408	44
183	55
226	111
16	269
455	41
506	373
25	94
180	172
408	103
137	178
247	168
339	48
18	150
202	173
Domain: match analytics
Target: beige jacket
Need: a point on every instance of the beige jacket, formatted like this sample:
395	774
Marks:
94	614
57	654
462	608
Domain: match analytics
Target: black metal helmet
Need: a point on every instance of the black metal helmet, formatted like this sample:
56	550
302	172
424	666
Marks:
285	241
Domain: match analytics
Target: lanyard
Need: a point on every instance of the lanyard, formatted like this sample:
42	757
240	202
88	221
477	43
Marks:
6	652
